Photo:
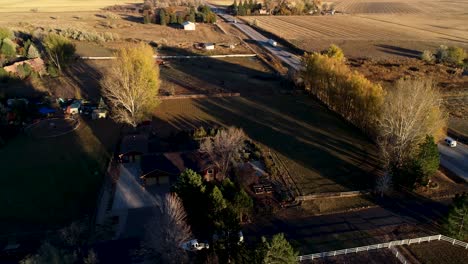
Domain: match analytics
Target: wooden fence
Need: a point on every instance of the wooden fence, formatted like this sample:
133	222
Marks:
331	195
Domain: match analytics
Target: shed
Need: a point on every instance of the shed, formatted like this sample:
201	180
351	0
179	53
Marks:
209	46
188	25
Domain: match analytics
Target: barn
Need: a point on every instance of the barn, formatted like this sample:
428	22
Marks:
188	25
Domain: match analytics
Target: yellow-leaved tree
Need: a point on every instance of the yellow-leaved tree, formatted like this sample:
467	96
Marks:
131	86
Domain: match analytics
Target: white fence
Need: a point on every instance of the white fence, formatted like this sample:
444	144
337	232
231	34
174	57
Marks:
179	56
384	245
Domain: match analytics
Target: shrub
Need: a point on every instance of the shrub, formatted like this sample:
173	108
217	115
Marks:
8	48
6	33
456	55
427	56
441	54
335	52
24	70
52	71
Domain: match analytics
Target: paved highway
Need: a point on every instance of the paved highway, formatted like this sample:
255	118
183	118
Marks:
455	159
287	57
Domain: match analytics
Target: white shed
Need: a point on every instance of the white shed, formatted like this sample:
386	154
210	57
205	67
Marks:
209	46
188	25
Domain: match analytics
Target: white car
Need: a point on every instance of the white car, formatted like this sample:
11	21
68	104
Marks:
450	142
194	245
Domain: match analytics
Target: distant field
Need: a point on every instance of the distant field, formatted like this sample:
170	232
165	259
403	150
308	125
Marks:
363	35
221	2
59	5
401	6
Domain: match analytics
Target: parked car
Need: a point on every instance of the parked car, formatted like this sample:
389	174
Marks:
272	43
194	245
450	142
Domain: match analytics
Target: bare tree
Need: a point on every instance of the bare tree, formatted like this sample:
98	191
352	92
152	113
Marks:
384	184
132	84
222	147
168	230
411	110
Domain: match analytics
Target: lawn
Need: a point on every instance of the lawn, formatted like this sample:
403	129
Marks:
322	152
50	180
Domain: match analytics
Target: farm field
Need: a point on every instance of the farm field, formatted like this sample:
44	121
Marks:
375	29
322	152
59	5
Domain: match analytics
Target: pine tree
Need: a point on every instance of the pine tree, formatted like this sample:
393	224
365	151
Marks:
427	161
173	18
457	220
278	250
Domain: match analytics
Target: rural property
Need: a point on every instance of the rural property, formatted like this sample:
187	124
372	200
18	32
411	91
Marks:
233	131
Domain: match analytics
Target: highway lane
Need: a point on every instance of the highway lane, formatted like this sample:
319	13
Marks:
286	57
455	159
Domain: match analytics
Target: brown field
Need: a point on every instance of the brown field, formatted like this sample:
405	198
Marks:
59	5
127	26
438	252
377	29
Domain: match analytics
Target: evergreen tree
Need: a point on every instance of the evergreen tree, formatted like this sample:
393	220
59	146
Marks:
278	250
235	8
251	5
188	184
427	161
456	224
192	14
180	19
162	17
218	202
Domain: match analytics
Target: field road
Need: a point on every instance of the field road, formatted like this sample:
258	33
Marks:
455	159
286	57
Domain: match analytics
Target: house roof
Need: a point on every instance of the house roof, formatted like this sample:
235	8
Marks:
134	143
36	64
187	23
173	163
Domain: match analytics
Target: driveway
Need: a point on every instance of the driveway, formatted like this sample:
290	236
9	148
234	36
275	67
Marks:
455	159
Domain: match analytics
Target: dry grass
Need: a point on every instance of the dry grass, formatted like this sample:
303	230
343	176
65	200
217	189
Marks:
221	2
59	5
438	252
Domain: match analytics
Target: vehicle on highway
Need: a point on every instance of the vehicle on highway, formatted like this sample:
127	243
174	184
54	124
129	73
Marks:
450	142
194	245
272	42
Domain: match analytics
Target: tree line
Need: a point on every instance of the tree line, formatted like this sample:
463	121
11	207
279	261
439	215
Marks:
276	7
404	120
171	16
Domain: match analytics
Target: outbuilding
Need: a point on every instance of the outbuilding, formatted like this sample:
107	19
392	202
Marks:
188	25
208	46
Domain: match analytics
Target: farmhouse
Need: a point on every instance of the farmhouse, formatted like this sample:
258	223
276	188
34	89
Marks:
188	25
36	65
164	168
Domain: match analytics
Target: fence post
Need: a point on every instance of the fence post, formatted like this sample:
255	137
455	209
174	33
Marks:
334	253
390	244
439	237
419	242
453	243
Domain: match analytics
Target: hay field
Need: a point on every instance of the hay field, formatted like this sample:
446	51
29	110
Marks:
368	35
401	6
59	5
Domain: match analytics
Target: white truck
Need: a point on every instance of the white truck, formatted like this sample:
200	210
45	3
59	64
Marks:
272	42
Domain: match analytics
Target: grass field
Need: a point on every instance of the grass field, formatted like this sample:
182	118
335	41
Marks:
59	5
50	180
322	152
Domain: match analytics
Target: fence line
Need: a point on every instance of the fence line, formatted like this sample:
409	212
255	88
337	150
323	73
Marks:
178	56
383	245
332	195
